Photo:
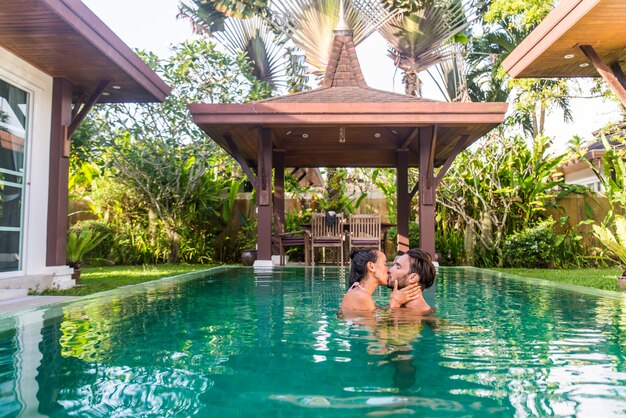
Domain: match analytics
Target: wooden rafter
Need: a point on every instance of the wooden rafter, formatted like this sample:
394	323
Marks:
239	158
410	138
446	166
82	113
608	74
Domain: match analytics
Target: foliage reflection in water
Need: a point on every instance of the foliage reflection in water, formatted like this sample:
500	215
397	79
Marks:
233	343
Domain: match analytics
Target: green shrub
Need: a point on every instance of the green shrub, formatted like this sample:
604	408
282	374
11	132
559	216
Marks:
533	247
100	254
451	247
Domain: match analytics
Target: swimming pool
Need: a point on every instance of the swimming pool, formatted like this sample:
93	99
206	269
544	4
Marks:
232	343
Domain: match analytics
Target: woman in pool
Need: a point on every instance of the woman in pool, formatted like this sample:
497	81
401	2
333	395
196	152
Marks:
368	271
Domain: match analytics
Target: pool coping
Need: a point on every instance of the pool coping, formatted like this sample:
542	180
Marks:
121	292
548	283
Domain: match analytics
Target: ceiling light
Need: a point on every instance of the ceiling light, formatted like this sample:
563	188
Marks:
288	133
377	135
105	93
393	131
305	136
342	135
568	56
116	87
584	64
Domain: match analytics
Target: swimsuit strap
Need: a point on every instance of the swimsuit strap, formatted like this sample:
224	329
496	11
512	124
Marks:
355	285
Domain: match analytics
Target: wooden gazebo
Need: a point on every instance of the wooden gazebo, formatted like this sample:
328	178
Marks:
345	123
579	38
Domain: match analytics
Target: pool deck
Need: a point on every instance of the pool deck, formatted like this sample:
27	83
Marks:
25	302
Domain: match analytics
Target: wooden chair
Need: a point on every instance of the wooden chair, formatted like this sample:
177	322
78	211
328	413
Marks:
326	235
294	239
365	231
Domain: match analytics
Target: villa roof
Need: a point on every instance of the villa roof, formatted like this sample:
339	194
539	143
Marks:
64	39
579	38
345	123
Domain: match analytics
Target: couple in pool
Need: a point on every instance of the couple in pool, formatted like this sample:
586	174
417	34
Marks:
411	273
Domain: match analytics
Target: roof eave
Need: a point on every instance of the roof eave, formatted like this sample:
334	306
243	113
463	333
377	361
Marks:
89	26
365	114
555	25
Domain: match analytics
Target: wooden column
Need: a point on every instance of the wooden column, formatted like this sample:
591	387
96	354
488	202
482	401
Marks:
279	195
279	190
613	75
58	172
428	138
403	200
264	195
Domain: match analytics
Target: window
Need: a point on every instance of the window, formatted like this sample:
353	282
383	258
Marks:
13	123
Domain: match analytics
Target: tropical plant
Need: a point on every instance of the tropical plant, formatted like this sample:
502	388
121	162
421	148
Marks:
532	247
271	59
174	171
616	243
419	37
499	191
612	173
309	24
79	244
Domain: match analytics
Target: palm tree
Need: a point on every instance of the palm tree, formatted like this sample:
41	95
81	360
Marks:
450	75
309	24
272	60
418	39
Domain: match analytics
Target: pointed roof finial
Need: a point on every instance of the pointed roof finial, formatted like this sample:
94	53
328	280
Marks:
342	27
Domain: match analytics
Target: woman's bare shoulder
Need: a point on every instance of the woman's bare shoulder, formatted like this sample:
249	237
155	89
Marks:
357	301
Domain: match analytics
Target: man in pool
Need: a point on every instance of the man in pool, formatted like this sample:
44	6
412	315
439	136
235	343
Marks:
414	262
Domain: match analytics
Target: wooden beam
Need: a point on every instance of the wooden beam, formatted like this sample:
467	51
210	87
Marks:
619	73
455	152
410	138
607	73
242	162
93	99
79	104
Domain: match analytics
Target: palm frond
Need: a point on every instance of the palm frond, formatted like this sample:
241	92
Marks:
418	40
257	40
203	17
310	23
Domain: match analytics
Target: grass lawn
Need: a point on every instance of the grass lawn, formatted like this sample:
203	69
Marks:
99	279
601	278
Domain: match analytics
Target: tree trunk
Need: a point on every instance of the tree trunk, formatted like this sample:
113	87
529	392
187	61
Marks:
412	84
174	239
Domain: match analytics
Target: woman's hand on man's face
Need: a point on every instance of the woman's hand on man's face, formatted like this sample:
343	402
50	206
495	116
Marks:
411	292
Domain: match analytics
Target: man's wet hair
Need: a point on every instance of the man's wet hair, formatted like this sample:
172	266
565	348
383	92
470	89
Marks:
421	262
358	264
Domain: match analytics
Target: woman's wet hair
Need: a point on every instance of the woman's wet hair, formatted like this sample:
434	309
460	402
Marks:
358	264
420	262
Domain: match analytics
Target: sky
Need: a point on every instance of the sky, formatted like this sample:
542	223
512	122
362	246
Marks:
152	25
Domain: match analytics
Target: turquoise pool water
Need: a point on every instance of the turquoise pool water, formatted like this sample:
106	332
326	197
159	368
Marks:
234	344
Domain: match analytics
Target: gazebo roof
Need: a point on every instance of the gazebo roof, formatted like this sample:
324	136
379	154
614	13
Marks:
345	123
63	38
552	49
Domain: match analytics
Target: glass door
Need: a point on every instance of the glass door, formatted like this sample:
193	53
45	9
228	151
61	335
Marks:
13	126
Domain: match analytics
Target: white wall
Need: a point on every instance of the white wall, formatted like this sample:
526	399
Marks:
39	85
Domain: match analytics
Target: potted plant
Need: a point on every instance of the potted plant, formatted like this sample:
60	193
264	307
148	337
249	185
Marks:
80	244
615	243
